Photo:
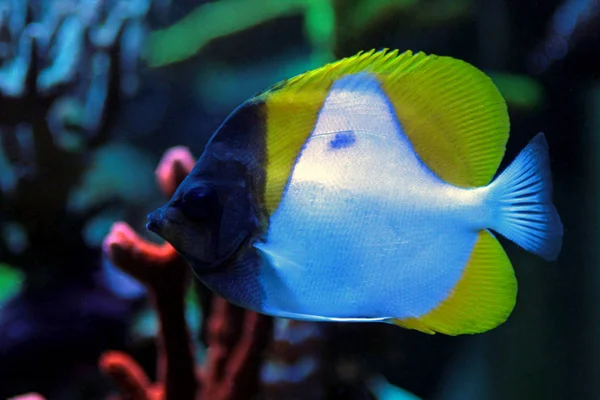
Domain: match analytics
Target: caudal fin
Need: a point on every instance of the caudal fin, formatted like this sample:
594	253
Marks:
522	199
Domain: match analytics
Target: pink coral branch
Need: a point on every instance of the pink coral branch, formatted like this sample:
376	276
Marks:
256	332
131	380
237	339
159	267
167	278
176	163
29	396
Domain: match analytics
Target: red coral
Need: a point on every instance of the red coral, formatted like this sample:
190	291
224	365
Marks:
176	163
29	396
236	337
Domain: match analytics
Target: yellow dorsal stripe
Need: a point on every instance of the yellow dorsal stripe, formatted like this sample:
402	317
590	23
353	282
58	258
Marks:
483	298
452	113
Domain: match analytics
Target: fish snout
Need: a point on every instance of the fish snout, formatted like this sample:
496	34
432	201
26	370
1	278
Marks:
155	221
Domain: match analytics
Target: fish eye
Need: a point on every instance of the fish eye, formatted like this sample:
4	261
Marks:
201	202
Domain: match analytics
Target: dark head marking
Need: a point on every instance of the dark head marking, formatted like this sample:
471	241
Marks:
342	140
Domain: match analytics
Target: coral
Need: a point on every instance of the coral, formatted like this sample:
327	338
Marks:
65	67
29	396
236	338
165	275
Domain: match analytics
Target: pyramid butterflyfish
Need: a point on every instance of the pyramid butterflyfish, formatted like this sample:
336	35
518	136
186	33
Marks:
366	190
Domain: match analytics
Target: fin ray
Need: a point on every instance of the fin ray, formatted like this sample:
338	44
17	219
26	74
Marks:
523	196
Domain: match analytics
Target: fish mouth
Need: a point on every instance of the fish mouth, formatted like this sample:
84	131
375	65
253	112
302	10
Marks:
167	222
153	224
158	219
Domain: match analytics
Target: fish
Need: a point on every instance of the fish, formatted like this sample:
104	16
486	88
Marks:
367	190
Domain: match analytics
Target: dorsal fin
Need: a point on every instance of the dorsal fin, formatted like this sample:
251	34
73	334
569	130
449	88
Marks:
451	112
482	299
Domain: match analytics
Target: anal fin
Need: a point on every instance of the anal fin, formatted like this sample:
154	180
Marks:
482	299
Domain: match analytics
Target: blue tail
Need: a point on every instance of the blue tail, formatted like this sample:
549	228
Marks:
522	201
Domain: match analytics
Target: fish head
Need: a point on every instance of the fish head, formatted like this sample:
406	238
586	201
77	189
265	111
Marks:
210	216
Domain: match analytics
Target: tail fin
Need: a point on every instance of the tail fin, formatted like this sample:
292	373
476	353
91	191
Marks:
522	200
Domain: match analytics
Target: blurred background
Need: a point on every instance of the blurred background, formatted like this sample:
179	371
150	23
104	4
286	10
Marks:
92	92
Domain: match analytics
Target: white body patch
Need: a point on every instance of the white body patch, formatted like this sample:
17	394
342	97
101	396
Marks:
364	228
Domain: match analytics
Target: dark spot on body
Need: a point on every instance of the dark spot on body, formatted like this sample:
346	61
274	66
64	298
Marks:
342	140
